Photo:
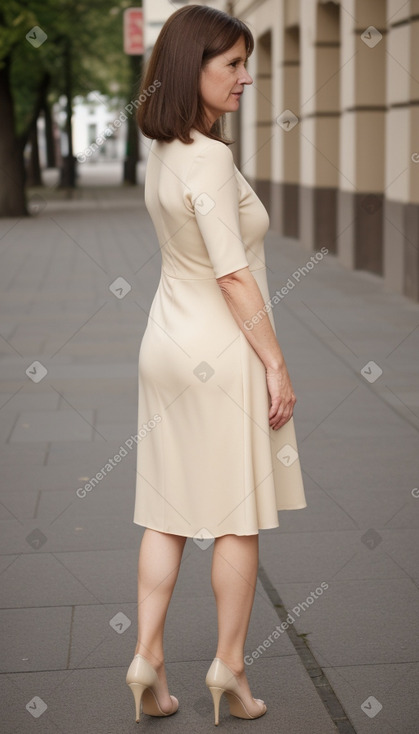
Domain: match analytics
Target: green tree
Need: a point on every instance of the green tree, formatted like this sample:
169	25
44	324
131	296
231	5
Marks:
14	19
77	49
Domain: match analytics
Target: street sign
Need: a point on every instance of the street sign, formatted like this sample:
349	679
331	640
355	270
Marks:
133	31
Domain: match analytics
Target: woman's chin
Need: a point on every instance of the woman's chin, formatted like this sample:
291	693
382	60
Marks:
233	105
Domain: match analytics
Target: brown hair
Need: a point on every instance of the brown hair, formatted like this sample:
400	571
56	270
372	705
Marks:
189	38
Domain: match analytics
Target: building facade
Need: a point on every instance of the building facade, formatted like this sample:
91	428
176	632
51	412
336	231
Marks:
156	13
328	133
98	129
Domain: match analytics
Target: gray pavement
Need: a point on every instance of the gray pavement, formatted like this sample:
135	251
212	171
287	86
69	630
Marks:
348	661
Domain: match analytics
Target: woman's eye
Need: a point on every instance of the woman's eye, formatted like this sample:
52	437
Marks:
234	64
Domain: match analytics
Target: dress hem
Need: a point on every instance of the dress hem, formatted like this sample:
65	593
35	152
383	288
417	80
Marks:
183	535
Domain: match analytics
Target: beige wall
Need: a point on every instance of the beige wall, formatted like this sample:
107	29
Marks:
358	113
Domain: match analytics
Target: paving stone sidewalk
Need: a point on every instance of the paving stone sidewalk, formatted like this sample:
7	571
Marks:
343	571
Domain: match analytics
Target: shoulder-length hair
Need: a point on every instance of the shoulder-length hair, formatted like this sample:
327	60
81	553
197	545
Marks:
170	87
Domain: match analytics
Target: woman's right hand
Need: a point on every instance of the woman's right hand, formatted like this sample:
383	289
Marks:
282	396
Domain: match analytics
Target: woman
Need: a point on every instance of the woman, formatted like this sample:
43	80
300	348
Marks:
219	455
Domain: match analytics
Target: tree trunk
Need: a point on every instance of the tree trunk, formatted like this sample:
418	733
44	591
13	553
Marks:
132	154
49	134
33	175
12	179
68	170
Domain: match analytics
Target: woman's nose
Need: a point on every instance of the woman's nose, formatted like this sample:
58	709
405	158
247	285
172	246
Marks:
245	78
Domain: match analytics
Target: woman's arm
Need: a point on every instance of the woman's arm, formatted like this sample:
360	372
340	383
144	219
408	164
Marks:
244	299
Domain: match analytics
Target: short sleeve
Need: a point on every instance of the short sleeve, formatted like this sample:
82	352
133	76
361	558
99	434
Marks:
213	193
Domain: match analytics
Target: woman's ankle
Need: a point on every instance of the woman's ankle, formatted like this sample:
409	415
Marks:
233	661
155	657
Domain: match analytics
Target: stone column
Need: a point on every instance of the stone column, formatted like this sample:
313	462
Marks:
363	66
401	207
291	139
319	126
264	118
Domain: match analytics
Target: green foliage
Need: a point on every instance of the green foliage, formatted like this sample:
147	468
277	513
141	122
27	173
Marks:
89	32
15	17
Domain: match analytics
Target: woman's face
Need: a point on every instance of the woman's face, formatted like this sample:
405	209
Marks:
223	80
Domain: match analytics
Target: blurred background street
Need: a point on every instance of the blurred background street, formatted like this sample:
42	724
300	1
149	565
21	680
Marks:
326	136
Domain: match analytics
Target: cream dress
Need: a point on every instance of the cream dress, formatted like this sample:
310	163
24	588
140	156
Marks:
208	462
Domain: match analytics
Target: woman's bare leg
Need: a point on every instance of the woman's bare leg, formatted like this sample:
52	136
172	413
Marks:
158	567
234	574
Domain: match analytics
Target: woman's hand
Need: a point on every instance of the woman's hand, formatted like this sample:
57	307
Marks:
282	396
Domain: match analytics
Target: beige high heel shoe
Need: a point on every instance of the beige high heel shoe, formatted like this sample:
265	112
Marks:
142	679
221	679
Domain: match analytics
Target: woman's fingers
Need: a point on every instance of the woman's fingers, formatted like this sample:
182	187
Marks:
280	412
275	403
282	397
281	418
282	421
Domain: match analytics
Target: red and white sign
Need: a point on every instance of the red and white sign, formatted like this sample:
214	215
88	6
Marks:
133	31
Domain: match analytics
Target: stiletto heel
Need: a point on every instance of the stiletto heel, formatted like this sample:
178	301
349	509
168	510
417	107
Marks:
216	696
221	679
142	679
138	690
